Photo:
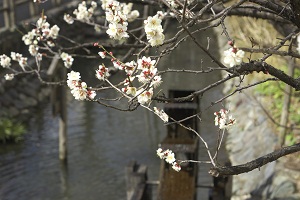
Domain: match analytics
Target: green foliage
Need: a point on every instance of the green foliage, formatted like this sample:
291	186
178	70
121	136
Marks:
290	139
275	91
11	130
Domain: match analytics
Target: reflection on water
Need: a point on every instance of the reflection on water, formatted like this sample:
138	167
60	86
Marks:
101	142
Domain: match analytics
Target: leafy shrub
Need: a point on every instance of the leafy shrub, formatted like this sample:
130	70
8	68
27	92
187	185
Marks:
11	131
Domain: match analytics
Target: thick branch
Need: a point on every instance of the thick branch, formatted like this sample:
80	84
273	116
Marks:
255	13
266	68
257	163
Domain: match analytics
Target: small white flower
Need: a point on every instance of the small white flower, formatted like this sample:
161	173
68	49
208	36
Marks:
91	94
223	120
233	56
5	61
9	77
146	63
145	96
176	166
74	76
68	18
102	72
102	54
129	90
170	157
33	50
53	33
160	153
68	59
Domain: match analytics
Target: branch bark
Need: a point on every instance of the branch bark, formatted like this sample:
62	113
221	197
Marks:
257	163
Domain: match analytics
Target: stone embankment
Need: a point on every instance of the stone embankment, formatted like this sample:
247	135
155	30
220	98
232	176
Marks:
20	96
253	136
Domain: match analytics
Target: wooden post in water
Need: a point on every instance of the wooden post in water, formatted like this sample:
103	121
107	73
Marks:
63	120
59	105
136	177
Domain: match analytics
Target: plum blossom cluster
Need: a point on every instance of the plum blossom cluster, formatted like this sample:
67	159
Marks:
169	157
118	14
5	61
146	74
223	120
154	30
233	56
102	72
67	59
79	89
82	13
43	32
172	3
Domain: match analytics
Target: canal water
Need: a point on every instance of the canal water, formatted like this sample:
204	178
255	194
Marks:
101	141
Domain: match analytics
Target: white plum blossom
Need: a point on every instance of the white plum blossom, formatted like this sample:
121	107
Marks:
33	50
54	32
176	166
19	58
118	14
117	31
43	32
146	75
28	39
223	120
161	114
160	153
129	90
156	81
129	67
133	15
154	30
68	18
68	59
233	56
9	77
129	80
146	63
72	79
172	3
118	65
144	96
5	61
169	157
83	13
102	72
102	54
79	89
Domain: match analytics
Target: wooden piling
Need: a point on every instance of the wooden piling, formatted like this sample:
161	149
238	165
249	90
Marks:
58	99
136	178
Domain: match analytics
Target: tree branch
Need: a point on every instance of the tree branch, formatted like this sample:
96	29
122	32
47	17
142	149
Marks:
257	163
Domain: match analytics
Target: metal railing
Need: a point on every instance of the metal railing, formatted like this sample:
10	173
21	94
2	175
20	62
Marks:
13	12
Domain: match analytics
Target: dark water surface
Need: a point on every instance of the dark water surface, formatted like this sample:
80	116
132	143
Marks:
101	142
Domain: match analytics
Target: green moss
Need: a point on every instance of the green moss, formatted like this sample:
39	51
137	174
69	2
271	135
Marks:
11	131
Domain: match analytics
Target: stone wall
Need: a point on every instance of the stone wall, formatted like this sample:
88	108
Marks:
20	96
252	137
